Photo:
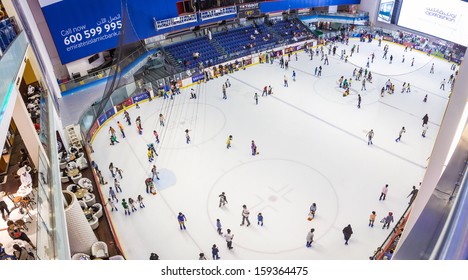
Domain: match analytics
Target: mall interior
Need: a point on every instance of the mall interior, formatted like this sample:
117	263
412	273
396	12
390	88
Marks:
52	207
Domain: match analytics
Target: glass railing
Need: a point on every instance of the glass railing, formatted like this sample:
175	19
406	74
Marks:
10	63
51	231
103	73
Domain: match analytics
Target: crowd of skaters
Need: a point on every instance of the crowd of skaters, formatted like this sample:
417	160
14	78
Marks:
363	74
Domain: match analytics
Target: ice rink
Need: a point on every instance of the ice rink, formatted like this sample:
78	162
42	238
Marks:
312	148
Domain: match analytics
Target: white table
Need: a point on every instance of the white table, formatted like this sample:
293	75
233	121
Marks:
85	183
9	246
16	215
23	170
24	190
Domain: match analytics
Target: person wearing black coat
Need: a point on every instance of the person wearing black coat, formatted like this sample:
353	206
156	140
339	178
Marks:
347	231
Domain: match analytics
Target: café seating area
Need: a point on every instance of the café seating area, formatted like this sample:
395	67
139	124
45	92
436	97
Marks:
99	251
72	163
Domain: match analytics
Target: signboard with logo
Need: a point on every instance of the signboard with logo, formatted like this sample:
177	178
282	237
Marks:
198	77
248	10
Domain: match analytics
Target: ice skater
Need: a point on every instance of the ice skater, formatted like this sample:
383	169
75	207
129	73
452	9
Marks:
156	136
140	201
425	119
442	85
222	199
413	194
111	169
112	131
347	232
152	148
402	130
256	98
432	69
245	215
403	59
372	219
363	84
383	193
119	171
182	219
285	81
254	148
131	202
359	101
387	220
161	120
228	142
260	219
121	129
424	130
412	62
127	117
154	173
125	207
224	92
112	205
138	124
193	95
187	136
228	237
310	238
312	210
370	135
219	227
117	185
294	75
228	83
215	252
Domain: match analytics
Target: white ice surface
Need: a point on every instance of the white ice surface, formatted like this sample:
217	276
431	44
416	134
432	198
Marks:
312	148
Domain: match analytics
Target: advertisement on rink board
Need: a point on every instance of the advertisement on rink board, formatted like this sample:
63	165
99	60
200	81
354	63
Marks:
102	119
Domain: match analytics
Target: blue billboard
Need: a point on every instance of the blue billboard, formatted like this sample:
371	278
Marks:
82	28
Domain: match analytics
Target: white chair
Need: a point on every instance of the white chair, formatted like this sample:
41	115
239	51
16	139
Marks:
82	163
71	187
83	205
89	199
98	213
99	249
65	179
76	178
81	256
117	258
94	223
63	165
71	165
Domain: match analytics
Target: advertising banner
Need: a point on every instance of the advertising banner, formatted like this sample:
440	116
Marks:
140	97
92	130
102	118
82	28
110	113
197	78
444	19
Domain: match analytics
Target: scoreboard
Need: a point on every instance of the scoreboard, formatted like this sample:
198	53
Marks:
248	10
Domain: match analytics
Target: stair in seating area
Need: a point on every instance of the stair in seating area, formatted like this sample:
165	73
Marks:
218	47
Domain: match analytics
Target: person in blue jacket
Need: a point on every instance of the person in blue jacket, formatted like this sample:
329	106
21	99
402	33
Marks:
214	252
181	218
